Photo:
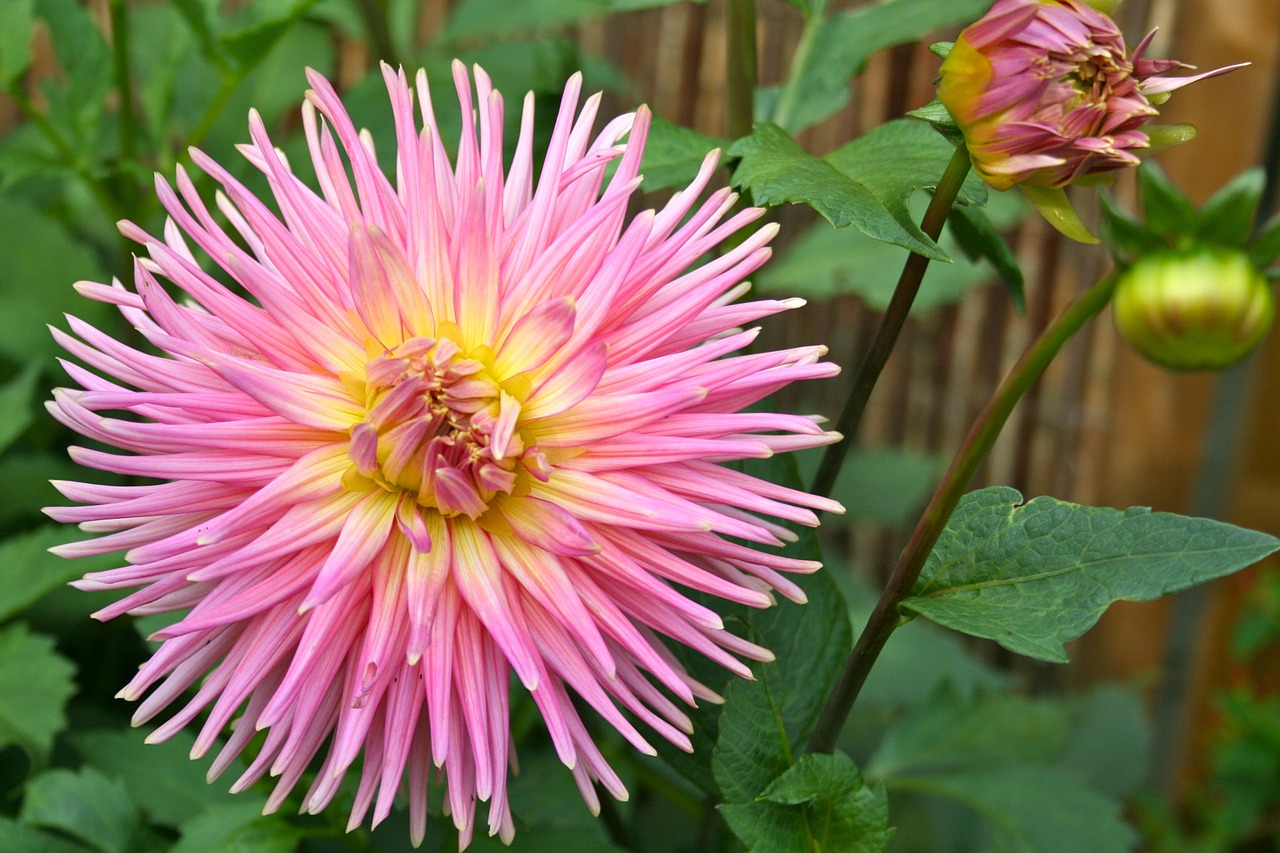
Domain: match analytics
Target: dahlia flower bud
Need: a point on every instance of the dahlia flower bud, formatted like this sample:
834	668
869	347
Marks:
1045	93
1202	310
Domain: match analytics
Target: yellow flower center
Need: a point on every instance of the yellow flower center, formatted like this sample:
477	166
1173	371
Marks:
439	425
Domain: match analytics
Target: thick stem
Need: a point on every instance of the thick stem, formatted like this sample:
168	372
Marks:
741	66
904	294
885	618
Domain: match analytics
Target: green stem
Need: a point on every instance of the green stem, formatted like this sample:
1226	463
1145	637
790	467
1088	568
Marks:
231	81
123	79
791	89
741	66
904	294
374	13
885	618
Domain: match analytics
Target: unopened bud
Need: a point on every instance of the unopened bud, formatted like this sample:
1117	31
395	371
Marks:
1200	310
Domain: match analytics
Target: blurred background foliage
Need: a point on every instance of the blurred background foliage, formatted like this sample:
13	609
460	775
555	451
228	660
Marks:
977	752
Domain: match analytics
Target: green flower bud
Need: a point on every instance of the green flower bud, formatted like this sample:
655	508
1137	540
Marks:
1205	309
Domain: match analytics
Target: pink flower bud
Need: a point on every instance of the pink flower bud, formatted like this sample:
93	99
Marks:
1045	93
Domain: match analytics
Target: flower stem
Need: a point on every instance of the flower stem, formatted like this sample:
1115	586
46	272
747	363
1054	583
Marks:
741	68
123	79
885	618
813	21
895	315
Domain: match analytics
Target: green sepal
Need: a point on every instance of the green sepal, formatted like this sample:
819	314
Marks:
1226	219
1168	211
941	49
936	114
1266	246
1056	208
1126	237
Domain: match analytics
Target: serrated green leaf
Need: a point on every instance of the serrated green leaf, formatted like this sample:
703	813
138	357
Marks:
237	827
1032	809
948	732
1168	211
17	22
1033	576
161	778
764	723
980	240
35	684
85	805
1226	219
843	43
776	170
840	812
27	839
896	159
674	154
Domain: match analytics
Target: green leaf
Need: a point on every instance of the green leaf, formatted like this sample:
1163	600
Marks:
765	722
1109	744
883	485
840	813
36	287
160	777
1168	211
673	154
980	240
17	22
271	20
948	732
27	489
1226	219
76	106
35	684
776	170
15	402
1033	576
27	839
489	19
237	827
85	805
1032	809
896	159
546	839
843	43
201	19
28	572
826	262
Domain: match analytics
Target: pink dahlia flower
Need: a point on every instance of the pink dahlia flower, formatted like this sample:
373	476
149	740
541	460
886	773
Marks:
444	427
1045	92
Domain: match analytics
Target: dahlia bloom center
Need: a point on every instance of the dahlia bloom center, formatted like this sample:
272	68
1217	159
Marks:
440	426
